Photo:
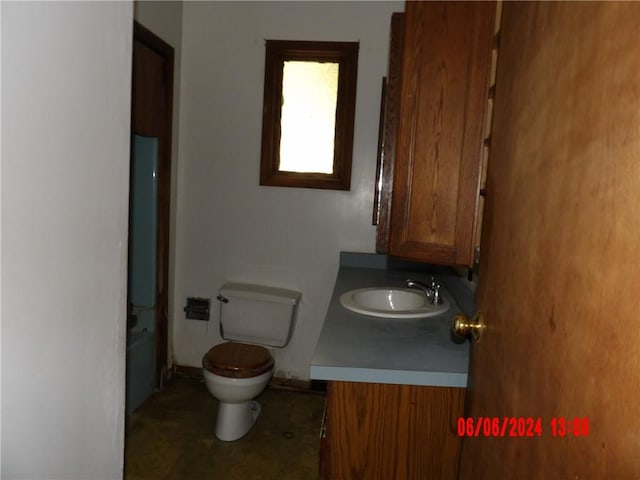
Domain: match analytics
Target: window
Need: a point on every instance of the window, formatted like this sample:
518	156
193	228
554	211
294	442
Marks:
308	114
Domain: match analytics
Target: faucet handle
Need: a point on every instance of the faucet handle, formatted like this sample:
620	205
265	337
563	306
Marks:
435	288
432	291
437	298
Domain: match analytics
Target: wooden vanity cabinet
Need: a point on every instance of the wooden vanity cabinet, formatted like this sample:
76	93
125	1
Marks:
379	431
445	74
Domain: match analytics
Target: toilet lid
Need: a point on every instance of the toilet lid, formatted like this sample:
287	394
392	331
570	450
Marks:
238	360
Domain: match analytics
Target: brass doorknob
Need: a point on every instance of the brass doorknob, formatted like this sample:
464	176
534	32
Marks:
465	328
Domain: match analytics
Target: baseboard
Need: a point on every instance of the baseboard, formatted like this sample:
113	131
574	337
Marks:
294	384
187	372
297	385
279	383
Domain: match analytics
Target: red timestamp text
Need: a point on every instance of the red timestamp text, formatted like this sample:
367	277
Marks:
563	427
521	427
499	426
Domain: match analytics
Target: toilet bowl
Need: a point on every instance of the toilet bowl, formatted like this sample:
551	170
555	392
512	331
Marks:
237	371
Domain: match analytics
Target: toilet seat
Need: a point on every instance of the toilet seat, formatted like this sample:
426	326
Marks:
238	360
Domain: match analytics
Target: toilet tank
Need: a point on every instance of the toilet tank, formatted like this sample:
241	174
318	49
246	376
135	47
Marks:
257	314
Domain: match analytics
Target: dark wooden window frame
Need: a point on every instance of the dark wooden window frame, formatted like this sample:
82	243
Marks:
279	51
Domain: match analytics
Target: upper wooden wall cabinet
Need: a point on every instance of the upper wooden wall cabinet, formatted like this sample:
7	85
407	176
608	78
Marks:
443	104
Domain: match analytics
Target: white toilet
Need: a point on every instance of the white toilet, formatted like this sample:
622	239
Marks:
237	371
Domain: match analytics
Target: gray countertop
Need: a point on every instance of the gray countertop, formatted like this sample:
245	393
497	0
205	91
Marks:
359	348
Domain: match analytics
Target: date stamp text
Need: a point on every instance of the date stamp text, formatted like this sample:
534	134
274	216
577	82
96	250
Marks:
522	427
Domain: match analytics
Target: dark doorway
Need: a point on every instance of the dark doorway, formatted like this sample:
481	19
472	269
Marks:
151	117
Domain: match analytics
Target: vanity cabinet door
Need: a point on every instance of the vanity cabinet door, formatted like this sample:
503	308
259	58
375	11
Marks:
443	105
378	431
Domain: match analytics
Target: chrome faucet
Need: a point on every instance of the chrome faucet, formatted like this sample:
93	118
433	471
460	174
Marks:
432	291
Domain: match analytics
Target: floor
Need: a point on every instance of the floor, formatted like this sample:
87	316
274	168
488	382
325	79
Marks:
171	437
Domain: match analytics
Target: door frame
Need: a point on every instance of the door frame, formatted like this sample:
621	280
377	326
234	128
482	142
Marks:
164	133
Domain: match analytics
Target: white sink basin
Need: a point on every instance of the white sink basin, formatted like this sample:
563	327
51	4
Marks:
391	302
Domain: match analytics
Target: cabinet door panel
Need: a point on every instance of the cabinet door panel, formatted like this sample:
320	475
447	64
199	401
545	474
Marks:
443	101
381	432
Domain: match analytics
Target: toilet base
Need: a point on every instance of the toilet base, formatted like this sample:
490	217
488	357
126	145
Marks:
234	420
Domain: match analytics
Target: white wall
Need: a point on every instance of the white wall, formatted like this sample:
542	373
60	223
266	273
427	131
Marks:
165	20
230	228
66	83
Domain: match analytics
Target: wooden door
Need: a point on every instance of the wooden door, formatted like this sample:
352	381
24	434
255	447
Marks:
151	115
560	268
